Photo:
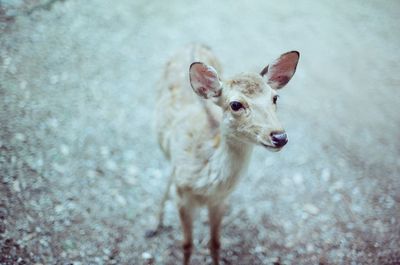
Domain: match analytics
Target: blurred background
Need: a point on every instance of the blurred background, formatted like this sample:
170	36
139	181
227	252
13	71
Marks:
81	173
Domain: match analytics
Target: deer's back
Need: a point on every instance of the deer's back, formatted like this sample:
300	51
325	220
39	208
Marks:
183	128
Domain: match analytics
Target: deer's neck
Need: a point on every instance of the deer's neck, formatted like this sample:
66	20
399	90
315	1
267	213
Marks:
234	153
229	161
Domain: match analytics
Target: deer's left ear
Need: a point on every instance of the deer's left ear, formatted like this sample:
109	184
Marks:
204	80
279	73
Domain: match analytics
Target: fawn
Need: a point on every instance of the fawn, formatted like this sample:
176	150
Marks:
208	136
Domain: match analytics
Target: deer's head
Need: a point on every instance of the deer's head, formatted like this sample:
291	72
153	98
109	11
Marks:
249	100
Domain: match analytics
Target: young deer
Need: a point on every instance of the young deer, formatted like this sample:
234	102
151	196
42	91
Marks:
209	137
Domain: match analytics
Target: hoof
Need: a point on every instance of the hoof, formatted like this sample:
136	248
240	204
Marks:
155	232
151	233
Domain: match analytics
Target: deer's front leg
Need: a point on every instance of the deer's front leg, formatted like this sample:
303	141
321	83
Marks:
215	214
186	217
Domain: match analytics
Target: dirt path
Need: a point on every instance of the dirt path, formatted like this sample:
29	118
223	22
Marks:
81	174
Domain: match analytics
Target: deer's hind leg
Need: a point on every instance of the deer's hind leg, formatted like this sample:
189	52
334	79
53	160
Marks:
160	224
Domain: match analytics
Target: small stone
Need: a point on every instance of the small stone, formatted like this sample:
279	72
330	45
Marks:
276	260
59	168
111	165
258	249
104	151
337	197
54	79
130	180
121	200
298	179
20	137
132	170
53	123
6	62
310	248
27	94
23	84
311	209
91	174
39	163
157	173
59	208
64	76
289	243
147	256
129	155
350	226
326	174
287	225
12	69
338	185
107	251
64	149
342	162
16	186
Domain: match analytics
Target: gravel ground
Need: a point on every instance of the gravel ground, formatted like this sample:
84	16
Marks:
81	173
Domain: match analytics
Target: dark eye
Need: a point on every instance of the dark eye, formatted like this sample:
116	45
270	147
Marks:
275	99
236	105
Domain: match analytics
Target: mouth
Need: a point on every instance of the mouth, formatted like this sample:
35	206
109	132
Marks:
271	147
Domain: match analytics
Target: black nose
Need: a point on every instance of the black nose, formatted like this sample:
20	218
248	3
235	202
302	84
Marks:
279	139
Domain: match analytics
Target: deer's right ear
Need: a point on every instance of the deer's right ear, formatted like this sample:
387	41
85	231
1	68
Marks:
279	73
204	80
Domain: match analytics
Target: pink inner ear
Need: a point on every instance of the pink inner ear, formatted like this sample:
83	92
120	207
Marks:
204	80
280	79
282	70
203	75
